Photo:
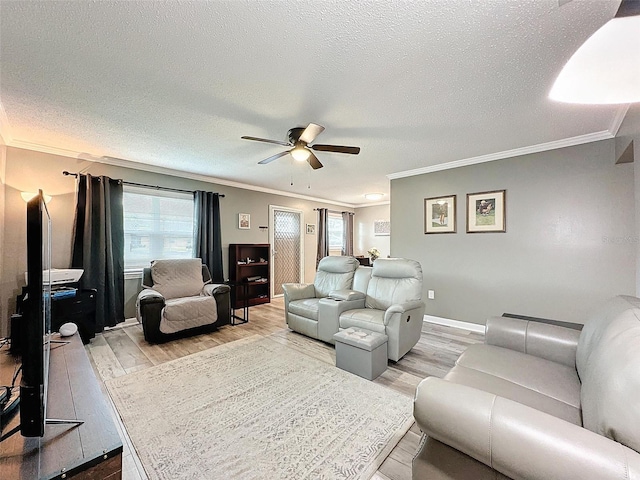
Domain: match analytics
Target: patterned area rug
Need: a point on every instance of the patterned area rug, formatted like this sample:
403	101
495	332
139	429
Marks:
257	409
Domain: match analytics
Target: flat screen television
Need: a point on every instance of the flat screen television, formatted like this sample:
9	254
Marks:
36	322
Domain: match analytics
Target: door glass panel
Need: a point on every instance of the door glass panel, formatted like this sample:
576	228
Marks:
286	244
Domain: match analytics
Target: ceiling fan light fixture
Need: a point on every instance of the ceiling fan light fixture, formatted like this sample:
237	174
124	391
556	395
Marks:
606	68
374	196
300	154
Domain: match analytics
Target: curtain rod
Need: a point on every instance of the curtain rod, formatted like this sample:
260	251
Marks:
331	211
157	187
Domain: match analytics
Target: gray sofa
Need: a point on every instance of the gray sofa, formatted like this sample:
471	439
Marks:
385	298
538	401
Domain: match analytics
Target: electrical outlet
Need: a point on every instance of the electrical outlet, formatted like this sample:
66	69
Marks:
432	294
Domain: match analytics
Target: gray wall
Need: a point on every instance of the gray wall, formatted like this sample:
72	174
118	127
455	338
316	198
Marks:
28	170
570	240
630	132
364	238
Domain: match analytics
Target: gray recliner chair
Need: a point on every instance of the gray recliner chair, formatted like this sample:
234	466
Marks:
392	303
302	301
178	299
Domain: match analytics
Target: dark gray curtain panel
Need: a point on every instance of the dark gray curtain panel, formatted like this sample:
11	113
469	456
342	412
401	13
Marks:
323	235
347	233
208	232
98	245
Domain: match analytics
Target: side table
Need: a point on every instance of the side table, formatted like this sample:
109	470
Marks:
237	287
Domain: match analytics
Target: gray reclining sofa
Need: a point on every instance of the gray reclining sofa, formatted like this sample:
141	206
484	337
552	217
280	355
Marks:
538	401
385	298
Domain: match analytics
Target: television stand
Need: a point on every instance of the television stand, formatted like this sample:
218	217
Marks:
88	450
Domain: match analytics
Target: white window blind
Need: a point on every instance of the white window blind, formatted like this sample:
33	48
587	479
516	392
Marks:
335	228
157	225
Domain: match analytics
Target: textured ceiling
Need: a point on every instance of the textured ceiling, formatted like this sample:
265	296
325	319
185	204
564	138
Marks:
176	84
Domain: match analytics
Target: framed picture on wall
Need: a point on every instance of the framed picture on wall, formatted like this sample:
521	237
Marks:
440	214
486	212
381	228
244	221
311	228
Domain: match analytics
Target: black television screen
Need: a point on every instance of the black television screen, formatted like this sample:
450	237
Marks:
36	320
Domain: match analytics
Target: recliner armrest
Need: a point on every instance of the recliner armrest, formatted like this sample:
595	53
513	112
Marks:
211	289
346	295
329	311
402	308
516	440
149	295
551	342
297	291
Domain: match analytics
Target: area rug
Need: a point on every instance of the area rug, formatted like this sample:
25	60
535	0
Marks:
257	409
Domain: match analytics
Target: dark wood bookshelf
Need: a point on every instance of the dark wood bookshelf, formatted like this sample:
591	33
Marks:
256	292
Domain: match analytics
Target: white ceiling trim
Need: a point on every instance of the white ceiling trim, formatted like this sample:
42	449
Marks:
119	162
619	118
516	152
375	204
36	147
5	129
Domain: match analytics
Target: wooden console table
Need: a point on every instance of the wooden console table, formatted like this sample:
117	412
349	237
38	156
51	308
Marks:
92	450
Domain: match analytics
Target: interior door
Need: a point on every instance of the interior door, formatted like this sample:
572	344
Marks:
287	247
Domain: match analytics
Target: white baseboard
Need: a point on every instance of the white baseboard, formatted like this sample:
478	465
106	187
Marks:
472	327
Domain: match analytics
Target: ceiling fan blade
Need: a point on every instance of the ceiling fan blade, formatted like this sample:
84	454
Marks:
311	132
277	142
314	162
273	157
336	148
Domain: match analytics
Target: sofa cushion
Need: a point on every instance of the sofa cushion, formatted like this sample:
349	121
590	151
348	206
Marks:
394	280
334	273
177	278
514	391
366	318
608	362
190	312
306	307
533	373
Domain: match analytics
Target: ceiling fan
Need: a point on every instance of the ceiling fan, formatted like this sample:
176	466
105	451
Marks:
299	138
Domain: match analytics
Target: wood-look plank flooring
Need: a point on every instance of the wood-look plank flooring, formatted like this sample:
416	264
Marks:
122	350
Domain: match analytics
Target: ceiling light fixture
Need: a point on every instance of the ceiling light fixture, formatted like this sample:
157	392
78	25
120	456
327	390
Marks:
606	68
374	196
300	153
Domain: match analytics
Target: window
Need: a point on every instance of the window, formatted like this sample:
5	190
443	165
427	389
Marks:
157	224
335	227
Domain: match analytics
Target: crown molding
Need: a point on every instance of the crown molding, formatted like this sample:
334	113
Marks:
619	118
36	147
374	204
5	129
516	152
119	162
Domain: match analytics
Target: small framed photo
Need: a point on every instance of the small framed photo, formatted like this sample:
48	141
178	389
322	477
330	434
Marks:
311	228
440	214
244	221
381	228
486	212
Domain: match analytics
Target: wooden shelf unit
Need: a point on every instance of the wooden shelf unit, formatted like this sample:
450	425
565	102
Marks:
256	292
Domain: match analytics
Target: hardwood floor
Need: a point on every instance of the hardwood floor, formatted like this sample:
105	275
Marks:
123	350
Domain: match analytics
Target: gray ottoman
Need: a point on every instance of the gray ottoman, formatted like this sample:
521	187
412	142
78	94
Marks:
361	352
